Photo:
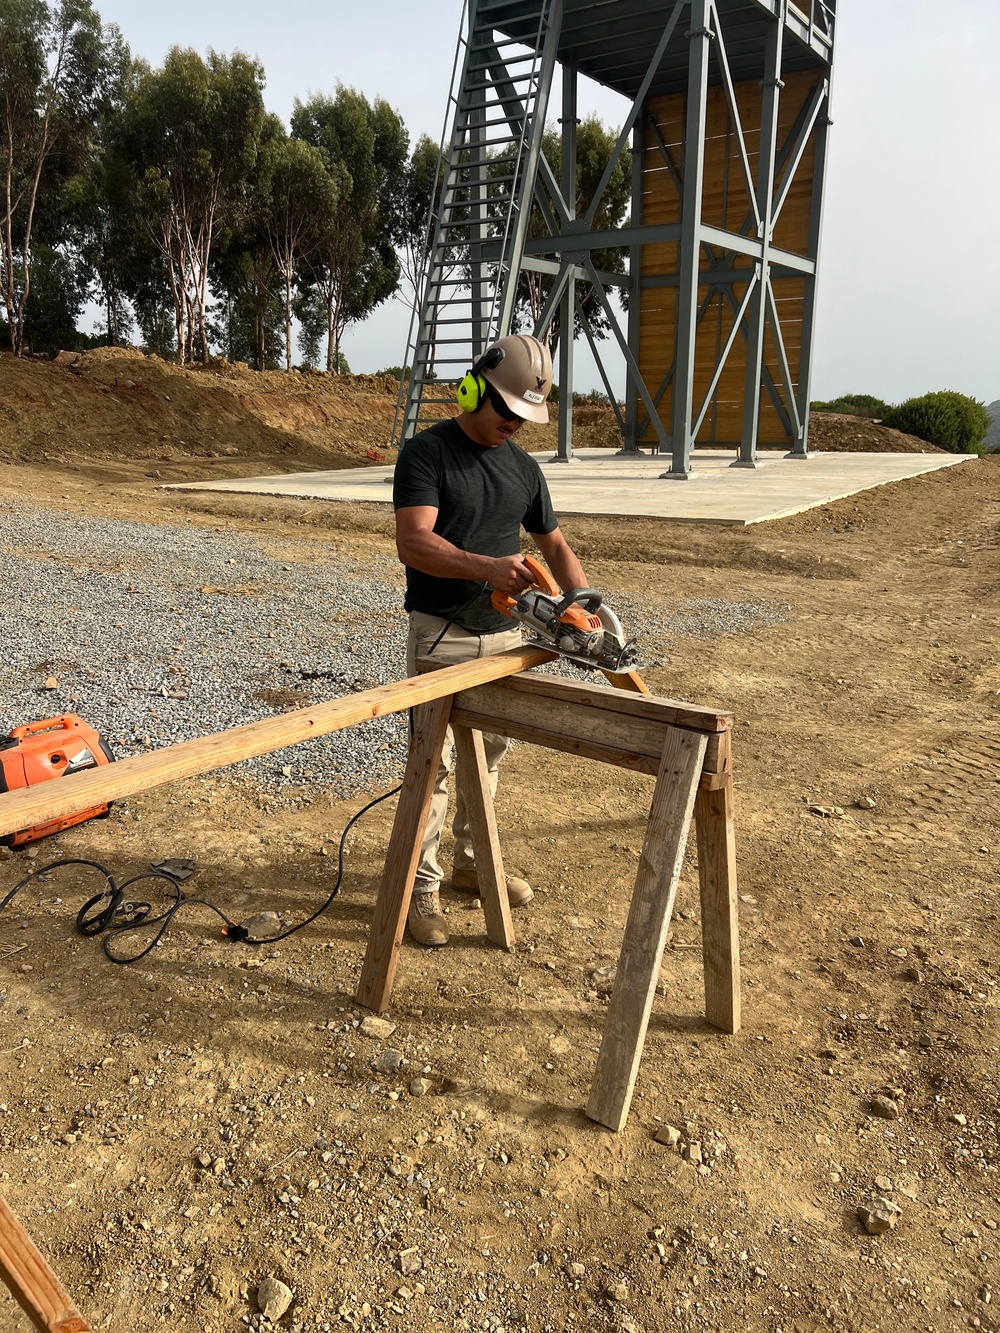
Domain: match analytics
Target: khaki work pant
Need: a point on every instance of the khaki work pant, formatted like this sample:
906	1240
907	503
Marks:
456	645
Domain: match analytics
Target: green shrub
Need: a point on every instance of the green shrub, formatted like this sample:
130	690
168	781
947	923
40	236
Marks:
853	404
952	421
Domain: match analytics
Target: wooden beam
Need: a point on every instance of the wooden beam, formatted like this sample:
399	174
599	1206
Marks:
66	796
646	928
615	727
430	724
32	1282
473	777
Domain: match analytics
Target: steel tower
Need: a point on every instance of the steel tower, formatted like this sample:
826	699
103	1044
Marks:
727	128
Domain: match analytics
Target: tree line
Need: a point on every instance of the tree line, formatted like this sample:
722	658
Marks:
173	198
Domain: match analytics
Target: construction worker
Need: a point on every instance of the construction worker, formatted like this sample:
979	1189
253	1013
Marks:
462	492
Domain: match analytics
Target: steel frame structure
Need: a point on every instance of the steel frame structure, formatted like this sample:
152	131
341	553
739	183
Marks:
479	232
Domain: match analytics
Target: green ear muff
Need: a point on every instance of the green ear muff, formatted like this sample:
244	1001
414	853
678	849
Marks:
470	392
472	389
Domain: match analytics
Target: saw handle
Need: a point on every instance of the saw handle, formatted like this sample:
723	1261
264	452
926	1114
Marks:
541	578
590	598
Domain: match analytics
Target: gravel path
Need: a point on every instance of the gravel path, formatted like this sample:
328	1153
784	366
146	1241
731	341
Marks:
161	633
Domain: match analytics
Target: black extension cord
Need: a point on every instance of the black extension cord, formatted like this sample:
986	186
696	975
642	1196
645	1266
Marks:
109	914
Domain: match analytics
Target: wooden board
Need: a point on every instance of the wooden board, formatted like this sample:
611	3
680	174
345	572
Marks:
32	1282
67	795
646	928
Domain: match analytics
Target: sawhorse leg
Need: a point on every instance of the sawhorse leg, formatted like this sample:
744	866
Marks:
720	932
646	928
472	773
430	722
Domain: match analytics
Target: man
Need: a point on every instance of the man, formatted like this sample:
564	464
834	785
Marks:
462	492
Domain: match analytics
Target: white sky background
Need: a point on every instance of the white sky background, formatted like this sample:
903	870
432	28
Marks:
910	276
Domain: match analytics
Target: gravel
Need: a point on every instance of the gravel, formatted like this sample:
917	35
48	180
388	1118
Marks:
160	633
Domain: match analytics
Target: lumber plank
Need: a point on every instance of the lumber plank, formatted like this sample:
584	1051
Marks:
519	730
53	800
32	1282
646	928
720	934
430	723
604	699
473	776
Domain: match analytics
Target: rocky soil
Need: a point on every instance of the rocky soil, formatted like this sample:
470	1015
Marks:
218	1137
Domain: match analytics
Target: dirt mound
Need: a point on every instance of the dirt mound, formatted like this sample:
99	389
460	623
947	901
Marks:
118	404
836	432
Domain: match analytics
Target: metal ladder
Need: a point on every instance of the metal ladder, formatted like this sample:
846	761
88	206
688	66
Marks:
479	218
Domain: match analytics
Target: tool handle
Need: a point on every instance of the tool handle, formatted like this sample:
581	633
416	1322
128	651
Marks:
541	578
590	598
68	722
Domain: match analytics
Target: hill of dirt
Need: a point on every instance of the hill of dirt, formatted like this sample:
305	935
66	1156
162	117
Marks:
117	404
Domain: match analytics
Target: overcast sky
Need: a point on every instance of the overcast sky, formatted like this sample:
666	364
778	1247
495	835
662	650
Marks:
909	277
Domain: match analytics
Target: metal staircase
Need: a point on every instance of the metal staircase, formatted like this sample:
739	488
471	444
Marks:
479	220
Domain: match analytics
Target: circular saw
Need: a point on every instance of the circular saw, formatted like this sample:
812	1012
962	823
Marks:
575	624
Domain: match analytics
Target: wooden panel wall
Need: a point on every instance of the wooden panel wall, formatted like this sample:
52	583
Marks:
726	204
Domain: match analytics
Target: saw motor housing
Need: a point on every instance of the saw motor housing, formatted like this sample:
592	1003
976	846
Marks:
575	624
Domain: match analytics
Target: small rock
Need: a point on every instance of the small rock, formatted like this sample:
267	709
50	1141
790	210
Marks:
866	802
389	1061
619	1291
409	1263
886	1108
913	974
203	1159
273	1299
376	1027
859	942
263	926
899	953
960	1119
877	1221
692	1154
420	1087
576	1271
51	683
603	979
668	1135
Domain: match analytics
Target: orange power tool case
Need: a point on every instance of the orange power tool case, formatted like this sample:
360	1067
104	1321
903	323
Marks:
40	751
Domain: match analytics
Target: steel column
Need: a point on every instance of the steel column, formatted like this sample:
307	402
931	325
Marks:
567	308
800	448
757	317
686	322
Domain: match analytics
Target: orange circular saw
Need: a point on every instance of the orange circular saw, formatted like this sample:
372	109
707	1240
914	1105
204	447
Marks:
574	624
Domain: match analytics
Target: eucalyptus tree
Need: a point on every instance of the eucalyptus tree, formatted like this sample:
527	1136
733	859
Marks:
305	189
58	67
354	268
191	135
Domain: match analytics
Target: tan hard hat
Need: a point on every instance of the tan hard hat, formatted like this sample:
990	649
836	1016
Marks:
523	376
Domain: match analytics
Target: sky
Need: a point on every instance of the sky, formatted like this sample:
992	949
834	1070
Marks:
909	284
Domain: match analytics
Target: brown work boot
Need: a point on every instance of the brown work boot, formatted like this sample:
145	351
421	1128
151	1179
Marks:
424	919
466	880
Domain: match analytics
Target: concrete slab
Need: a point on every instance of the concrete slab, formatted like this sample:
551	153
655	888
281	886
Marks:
599	481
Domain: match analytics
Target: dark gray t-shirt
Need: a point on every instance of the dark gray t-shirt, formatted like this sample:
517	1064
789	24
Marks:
484	496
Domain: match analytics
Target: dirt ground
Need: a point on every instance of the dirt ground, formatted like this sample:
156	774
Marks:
177	1131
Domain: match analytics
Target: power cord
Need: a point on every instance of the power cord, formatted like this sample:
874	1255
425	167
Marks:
109	914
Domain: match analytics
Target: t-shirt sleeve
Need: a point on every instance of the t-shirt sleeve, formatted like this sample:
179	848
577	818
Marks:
416	479
540	516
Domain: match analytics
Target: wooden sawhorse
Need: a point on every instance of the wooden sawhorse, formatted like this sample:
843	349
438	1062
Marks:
689	751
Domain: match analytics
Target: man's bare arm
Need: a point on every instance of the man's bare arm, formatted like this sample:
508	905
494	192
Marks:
561	559
420	547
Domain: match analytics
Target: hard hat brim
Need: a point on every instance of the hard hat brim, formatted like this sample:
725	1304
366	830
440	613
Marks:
536	412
